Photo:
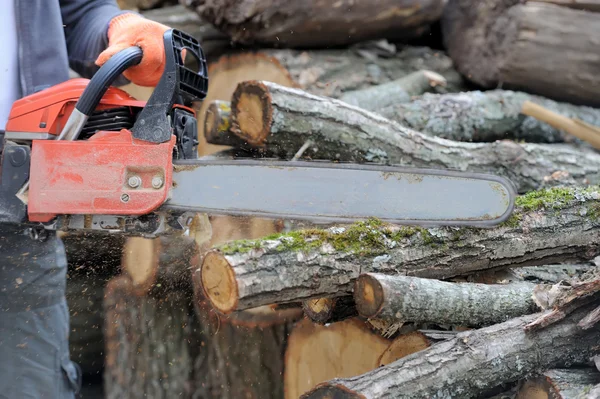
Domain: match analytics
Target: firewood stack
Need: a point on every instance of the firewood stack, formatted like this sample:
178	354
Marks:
253	308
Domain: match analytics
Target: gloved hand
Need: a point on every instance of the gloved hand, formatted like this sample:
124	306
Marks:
128	30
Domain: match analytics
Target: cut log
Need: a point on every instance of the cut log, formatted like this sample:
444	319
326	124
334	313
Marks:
320	263
147	352
398	91
420	300
217	123
163	263
492	44
234	359
283	118
560	384
318	24
404	345
325	72
329	310
485	116
317	353
471	364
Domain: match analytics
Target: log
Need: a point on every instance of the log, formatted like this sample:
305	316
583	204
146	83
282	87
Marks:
485	116
552	273
398	91
312	24
269	115
471	364
316	353
235	358
329	310
560	384
163	263
317	263
492	45
324	72
420	300
147	354
217	123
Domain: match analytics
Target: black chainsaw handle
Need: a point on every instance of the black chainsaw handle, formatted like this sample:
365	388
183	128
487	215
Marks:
105	76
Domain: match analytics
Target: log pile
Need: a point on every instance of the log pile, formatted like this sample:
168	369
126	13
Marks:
284	309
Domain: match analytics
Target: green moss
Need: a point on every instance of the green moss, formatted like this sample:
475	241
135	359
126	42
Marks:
368	237
555	197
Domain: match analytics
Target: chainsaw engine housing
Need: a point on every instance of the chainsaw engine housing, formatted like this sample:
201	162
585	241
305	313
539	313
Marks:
117	158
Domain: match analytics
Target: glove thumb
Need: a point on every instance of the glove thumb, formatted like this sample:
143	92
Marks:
109	52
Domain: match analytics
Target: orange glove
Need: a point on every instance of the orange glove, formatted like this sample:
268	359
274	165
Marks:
128	30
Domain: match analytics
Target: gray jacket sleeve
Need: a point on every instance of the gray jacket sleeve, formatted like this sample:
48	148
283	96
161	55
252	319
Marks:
86	25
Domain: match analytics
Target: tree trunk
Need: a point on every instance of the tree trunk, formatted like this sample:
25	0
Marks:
317	263
283	119
236	357
318	24
147	354
471	364
420	300
398	91
492	44
159	264
560	384
485	116
317	353
552	273
329	310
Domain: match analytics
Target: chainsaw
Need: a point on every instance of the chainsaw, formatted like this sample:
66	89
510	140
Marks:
85	155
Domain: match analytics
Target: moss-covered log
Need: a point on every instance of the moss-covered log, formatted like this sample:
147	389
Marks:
485	116
522	45
315	263
560	384
420	300
281	118
316	23
472	363
398	91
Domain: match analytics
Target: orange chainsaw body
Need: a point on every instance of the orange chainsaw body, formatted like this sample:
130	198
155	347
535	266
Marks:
89	176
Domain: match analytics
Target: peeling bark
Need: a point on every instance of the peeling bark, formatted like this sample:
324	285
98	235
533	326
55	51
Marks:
420	300
521	45
471	364
485	116
317	263
316	23
269	115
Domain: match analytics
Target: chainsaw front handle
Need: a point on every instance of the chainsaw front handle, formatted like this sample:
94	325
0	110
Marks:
96	88
106	75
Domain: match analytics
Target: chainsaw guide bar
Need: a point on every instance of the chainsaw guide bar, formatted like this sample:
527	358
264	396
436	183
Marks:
331	192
